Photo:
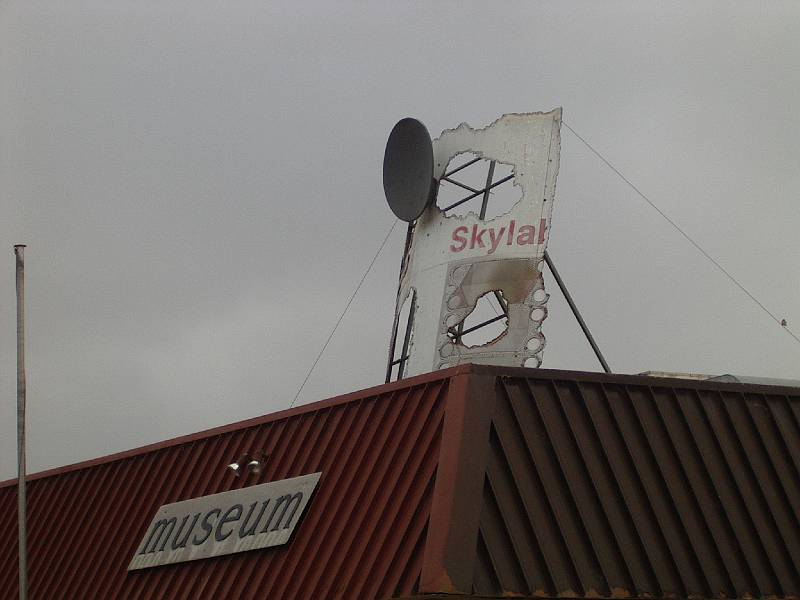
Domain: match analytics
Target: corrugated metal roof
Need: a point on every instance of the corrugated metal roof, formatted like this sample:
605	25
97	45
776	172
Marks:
625	487
363	531
470	481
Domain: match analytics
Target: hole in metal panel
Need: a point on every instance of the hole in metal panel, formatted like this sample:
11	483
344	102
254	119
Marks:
538	314
534	344
533	362
471	181
487	308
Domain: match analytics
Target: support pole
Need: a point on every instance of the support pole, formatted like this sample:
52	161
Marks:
393	338
19	252
392	342
576	312
401	369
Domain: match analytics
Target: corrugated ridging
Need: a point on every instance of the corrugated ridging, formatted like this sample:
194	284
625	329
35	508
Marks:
362	535
616	488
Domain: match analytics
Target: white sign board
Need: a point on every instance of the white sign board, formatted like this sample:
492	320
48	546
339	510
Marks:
250	518
453	260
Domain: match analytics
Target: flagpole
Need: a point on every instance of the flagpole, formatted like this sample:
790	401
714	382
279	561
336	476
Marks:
19	252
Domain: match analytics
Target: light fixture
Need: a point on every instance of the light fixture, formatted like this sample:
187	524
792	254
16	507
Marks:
248	463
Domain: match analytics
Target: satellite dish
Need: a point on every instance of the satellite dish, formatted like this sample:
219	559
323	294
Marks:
408	169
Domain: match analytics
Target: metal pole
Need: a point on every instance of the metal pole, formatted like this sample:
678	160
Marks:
401	369
576	312
392	342
19	252
393	337
487	191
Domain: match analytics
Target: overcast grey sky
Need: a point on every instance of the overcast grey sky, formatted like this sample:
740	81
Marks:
199	185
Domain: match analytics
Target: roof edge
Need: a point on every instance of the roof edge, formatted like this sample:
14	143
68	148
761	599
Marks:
275	416
624	378
538	373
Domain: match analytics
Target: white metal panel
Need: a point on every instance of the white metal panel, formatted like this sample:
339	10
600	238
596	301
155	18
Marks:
445	249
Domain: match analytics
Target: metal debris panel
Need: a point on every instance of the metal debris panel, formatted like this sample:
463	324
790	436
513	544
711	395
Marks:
476	481
452	260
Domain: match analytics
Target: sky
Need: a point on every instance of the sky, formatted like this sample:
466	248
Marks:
199	186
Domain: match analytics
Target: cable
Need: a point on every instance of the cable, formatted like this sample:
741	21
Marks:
683	233
344	312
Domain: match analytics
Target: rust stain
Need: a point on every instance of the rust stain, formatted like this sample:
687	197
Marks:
514	277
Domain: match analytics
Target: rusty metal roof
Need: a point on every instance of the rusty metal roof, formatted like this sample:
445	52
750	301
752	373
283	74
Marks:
471	481
363	532
622	486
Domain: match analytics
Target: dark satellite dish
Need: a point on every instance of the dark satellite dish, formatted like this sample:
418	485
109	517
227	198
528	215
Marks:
408	169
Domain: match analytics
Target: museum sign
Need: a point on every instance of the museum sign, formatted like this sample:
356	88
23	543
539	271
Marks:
250	518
